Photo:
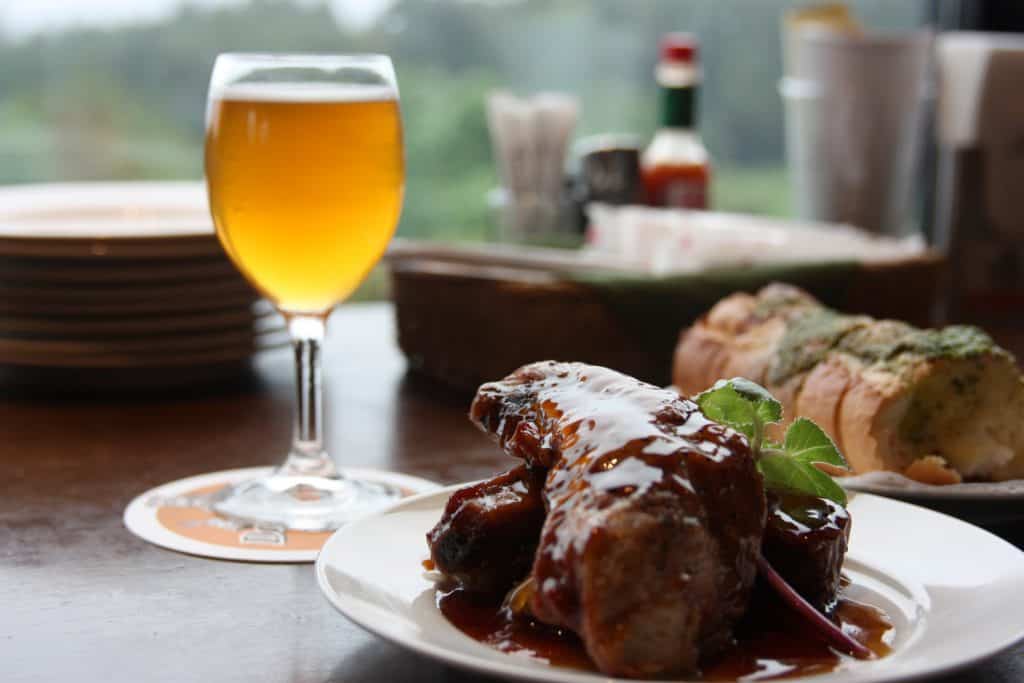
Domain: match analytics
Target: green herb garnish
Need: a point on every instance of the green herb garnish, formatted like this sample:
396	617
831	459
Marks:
790	466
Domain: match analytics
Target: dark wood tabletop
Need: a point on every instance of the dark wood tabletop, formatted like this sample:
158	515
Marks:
82	599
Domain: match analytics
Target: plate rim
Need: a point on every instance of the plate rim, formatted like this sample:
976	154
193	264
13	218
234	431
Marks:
512	672
23	197
937	493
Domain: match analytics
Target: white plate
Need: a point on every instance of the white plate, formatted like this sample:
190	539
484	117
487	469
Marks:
896	485
106	220
955	593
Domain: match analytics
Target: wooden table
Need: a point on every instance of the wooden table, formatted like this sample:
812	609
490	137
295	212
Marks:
81	599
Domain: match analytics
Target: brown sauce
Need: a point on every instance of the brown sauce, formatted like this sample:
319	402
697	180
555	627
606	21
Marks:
771	641
484	620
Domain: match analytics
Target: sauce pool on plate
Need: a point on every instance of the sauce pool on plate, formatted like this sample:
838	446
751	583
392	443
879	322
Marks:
771	641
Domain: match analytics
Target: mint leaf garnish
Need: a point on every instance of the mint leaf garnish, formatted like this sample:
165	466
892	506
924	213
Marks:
748	407
808	443
767	406
741	404
723	404
785	473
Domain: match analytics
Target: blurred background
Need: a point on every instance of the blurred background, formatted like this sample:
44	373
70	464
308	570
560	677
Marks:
115	89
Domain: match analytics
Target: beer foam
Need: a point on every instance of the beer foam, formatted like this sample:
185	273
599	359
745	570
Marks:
305	92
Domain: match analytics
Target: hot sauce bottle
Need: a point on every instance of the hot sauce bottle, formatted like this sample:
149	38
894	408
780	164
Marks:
675	167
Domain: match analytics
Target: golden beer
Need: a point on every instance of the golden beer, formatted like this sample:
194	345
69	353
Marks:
305	186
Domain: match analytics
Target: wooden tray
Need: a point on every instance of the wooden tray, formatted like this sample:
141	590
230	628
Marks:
470	315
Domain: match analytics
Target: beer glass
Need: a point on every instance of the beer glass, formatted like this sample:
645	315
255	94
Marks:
305	173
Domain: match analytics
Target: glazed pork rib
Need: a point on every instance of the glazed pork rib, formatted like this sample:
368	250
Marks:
805	541
655	513
488	534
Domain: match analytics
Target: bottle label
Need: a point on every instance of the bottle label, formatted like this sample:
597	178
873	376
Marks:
683	193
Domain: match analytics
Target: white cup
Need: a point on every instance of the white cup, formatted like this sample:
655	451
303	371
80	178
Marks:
854	126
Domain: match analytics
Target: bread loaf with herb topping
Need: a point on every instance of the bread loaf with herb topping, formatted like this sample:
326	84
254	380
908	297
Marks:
937	405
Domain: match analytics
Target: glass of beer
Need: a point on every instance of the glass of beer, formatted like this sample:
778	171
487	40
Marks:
305	173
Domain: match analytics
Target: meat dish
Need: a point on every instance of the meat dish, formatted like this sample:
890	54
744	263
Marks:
634	521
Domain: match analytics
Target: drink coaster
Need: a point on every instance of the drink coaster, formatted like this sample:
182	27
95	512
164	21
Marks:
177	516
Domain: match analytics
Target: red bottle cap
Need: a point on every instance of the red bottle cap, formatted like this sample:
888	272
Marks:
679	47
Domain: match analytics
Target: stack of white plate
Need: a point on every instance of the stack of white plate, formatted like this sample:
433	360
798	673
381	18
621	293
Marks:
125	277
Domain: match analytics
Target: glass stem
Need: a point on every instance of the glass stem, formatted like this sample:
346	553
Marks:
307	456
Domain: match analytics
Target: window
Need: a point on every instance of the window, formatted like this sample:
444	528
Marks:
116	89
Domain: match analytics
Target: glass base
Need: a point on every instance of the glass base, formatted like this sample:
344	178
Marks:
304	503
